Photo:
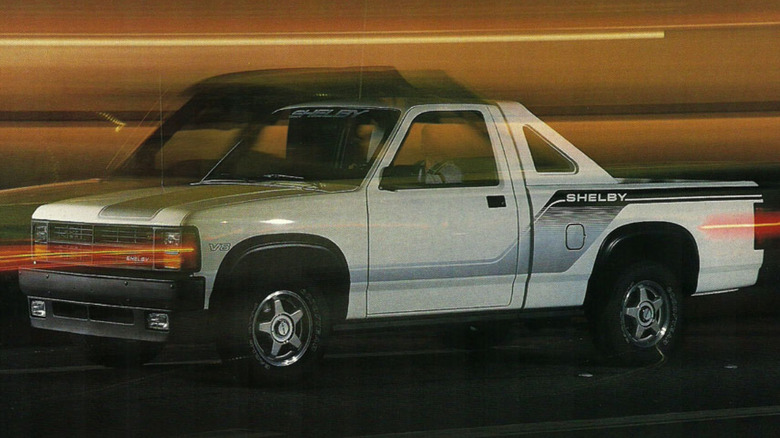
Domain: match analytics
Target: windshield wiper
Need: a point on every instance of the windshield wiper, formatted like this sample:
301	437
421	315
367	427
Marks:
283	176
225	181
283	180
271	180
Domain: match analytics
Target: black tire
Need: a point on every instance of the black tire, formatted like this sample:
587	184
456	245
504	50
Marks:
273	336
638	321
118	353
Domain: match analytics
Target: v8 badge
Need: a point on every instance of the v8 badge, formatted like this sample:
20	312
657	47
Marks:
219	246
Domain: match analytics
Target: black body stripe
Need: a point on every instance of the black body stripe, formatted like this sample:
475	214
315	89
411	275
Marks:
622	197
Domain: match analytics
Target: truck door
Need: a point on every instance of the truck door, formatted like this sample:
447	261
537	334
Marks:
443	224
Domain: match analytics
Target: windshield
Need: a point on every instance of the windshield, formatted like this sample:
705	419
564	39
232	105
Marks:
193	139
315	144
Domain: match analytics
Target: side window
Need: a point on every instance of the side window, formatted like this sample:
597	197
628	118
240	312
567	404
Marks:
444	149
547	159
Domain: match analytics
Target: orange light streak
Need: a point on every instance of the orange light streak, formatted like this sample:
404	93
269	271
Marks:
320	39
14	257
765	225
735	226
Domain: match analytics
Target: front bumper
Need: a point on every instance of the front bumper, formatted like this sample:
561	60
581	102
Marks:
114	305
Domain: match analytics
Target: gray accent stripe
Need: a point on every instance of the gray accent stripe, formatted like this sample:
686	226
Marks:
504	264
596	209
551	234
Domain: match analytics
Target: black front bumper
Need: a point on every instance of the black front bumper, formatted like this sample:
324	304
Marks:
110	304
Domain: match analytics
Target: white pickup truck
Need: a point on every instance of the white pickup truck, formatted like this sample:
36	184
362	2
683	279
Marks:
355	214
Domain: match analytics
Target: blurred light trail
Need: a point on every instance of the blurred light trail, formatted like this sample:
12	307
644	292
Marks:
765	225
737	226
178	40
118	123
15	255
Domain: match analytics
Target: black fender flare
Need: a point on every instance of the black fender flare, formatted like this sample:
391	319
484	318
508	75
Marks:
651	237
301	255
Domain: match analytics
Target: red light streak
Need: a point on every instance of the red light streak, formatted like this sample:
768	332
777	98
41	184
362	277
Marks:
765	225
16	256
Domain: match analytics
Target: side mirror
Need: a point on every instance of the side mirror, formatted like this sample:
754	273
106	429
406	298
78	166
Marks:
402	177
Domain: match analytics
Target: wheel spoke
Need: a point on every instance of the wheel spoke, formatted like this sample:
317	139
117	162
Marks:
642	293
657	304
264	327
633	312
295	341
639	332
275	348
278	309
296	316
655	328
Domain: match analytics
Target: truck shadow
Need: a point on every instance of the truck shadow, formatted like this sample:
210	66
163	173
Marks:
386	359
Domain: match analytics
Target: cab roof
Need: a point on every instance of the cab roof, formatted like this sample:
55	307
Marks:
366	84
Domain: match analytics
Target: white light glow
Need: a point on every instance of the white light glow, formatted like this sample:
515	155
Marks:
278	222
177	40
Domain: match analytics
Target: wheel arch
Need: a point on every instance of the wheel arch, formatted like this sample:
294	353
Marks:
665	243
288	256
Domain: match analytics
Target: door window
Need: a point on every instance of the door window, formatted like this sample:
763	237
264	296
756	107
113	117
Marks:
444	149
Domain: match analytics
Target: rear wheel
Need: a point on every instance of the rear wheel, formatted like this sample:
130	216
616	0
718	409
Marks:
638	321
276	337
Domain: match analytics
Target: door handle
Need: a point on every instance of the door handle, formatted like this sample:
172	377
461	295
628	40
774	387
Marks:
496	201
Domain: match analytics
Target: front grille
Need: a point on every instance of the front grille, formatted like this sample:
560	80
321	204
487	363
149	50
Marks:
81	234
124	235
120	246
105	245
71	233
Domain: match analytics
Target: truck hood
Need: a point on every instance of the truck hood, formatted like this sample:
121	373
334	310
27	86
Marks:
18	204
169	205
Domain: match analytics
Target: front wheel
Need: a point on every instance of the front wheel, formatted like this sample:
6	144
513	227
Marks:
277	337
638	321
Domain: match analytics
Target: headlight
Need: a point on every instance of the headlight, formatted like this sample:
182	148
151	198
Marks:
40	237
40	232
177	249
171	238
